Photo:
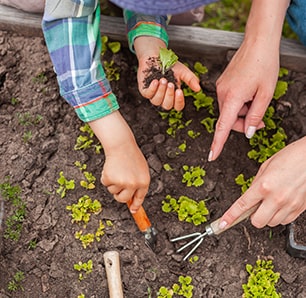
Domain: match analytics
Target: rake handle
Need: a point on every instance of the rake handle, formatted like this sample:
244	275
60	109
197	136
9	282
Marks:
214	226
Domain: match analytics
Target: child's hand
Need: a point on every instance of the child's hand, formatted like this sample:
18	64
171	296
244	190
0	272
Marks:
162	93
125	172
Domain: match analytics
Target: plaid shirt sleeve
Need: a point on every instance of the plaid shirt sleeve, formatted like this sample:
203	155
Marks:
72	34
140	25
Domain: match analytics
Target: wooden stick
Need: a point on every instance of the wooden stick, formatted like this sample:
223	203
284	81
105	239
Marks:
112	266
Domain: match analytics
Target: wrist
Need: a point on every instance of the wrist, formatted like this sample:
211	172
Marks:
112	131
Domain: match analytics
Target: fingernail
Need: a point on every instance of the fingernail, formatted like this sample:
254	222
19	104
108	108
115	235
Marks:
250	131
210	155
222	225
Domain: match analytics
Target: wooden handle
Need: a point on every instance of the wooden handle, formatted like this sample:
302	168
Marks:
112	266
214	226
141	219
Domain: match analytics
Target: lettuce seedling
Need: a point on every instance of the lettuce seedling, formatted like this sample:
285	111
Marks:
64	185
83	267
193	176
183	288
200	68
245	184
209	124
262	280
187	209
167	59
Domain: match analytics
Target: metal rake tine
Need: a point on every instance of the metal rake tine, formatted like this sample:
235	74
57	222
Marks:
185	237
198	238
193	249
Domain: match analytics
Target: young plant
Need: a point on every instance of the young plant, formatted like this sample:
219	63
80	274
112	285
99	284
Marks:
64	185
193	176
89	238
83	268
175	121
15	220
199	68
209	124
262	280
83	209
86	140
167	59
187	209
183	288
89	183
281	86
192	134
15	283
245	184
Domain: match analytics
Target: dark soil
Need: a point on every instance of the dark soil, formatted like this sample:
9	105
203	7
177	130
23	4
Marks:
300	231
33	152
154	72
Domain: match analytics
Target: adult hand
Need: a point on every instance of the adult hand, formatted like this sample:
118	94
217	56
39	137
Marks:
161	92
279	187
246	87
125	172
244	92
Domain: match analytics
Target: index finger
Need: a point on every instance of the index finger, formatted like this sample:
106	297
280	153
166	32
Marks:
227	118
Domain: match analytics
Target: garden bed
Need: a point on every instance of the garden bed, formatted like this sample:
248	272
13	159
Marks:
39	131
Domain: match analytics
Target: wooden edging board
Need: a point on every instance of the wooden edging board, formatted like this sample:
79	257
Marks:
185	40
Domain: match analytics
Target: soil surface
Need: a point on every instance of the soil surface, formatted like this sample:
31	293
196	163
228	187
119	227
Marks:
39	131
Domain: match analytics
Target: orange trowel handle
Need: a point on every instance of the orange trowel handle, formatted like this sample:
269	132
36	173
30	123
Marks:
141	219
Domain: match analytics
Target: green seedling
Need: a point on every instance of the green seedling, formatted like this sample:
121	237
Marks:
245	184
89	238
209	124
175	121
82	211
113	46
41	78
14	101
192	134
32	244
27	136
89	183
64	185
167	167
193	176
183	288
187	209
182	147
86	140
83	268
167	59
15	283
199	68
13	223
262	280
81	296
281	86
265	143
193	259
27	119
112	72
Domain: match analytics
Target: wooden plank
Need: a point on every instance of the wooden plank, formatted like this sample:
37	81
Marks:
185	40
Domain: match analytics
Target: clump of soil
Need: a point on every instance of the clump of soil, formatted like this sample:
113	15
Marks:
154	72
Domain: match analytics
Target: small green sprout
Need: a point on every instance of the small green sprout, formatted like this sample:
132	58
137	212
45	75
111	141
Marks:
89	183
183	288
193	259
32	244
167	59
64	185
83	209
200	68
262	280
175	121
209	124
281	86
86	239
83	267
15	220
167	167
193	176
182	147
186	208
15	283
86	140
81	296
192	134
112	72
245	184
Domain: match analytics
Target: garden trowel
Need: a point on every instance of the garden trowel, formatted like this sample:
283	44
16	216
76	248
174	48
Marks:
144	225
